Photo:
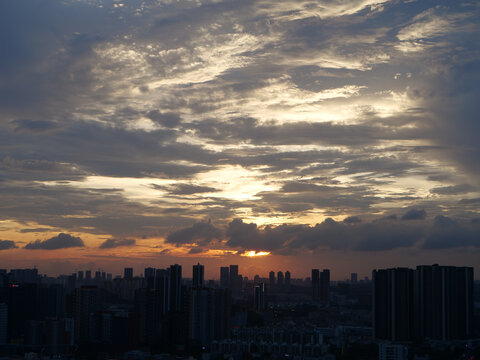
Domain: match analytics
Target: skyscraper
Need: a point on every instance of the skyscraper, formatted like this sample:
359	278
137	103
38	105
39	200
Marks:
443	302
280	279
224	277
271	279
393	304
128	273
315	284
324	292
3	323
197	278
287	278
175	287
259	295
353	278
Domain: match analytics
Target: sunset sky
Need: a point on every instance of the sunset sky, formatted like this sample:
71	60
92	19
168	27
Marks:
340	134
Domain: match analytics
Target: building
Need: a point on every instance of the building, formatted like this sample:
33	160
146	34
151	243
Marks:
324	292
127	273
353	278
443	302
432	302
271	279
287	279
175	288
260	297
393	304
315	284
280	279
198	274
224	277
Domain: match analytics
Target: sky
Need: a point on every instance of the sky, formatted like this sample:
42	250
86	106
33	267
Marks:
340	134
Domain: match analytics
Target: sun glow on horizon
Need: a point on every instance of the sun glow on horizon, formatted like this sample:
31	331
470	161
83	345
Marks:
253	253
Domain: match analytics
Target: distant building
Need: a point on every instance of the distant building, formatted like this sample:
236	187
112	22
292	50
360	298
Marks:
315	284
271	279
280	279
175	288
224	277
324	285
127	273
353	278
198	275
287	278
260	297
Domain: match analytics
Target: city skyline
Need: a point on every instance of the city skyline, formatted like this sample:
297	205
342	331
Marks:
337	135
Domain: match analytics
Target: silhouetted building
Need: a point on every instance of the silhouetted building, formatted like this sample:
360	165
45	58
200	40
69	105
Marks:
22	306
431	302
287	279
149	276
260	297
235	281
197	278
280	279
324	292
353	278
271	279
88	277
88	300
315	284
175	285
393	304
128	273
80	276
392	352
224	277
443	302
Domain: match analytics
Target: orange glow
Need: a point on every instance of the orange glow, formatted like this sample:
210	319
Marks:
252	253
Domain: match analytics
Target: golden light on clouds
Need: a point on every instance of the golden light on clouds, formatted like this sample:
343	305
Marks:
253	253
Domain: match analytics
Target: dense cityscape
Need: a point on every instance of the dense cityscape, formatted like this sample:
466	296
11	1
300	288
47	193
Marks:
399	314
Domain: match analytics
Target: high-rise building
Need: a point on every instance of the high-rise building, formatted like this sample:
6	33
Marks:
324	292
260	297
235	281
88	277
224	277
315	284
175	288
287	278
443	302
80	276
353	278
393	304
88	300
197	278
128	273
280	279
271	279
149	276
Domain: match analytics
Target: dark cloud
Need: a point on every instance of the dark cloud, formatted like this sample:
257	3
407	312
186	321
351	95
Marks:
201	233
414	214
448	233
7	244
35	126
61	241
352	220
453	189
169	119
114	243
35	230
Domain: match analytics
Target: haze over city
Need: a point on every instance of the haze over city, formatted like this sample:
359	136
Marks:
276	135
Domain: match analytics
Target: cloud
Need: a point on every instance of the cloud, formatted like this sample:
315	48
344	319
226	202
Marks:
61	241
200	233
114	243
7	244
414	214
448	233
453	189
